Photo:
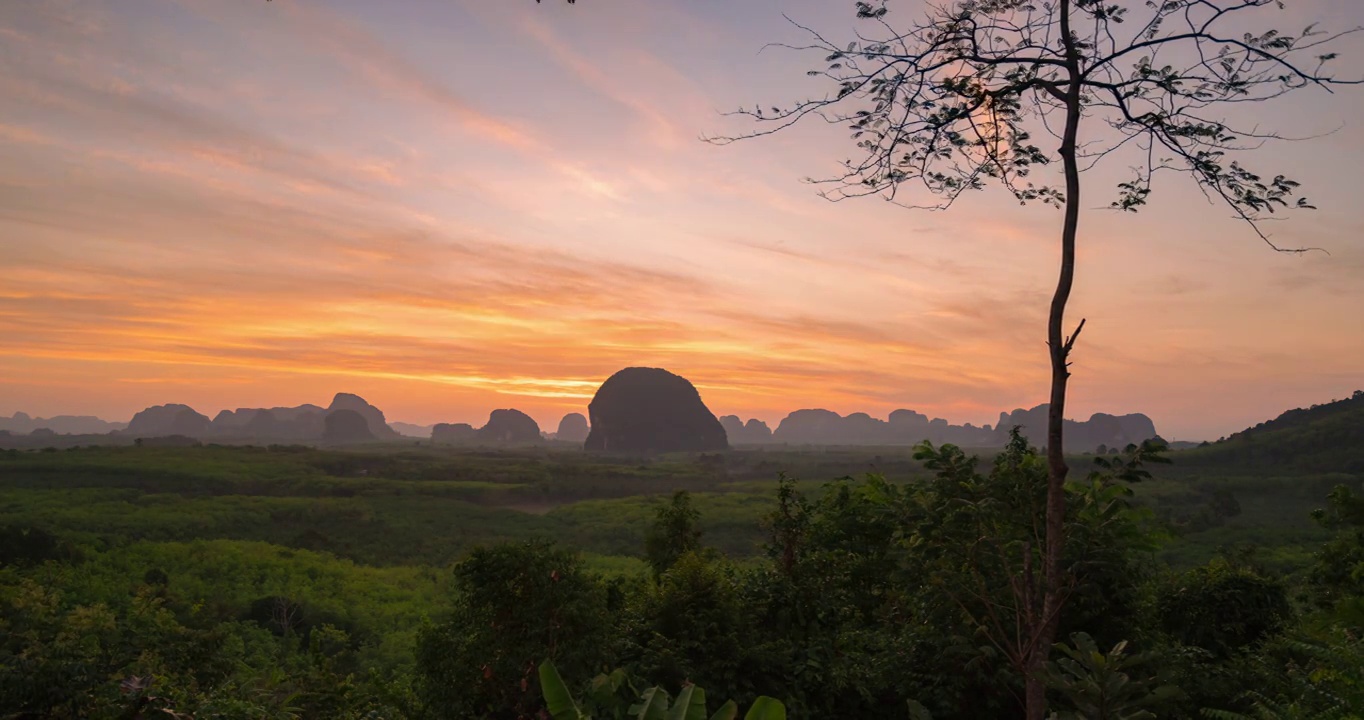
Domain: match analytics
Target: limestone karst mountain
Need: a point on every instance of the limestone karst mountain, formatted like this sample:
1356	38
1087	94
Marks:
277	424
572	428
374	417
907	427
453	433
645	410
171	419
1082	436
504	426
346	426
753	432
22	423
303	422
509	426
825	427
650	410
757	432
263	424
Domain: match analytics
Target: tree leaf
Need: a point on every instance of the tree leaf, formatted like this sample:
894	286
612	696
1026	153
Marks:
766	708
653	705
690	704
728	711
557	697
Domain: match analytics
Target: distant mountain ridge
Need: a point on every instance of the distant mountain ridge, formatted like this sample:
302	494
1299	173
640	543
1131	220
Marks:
1306	417
753	432
1325	438
907	427
411	430
297	423
507	426
637	409
170	419
305	422
22	423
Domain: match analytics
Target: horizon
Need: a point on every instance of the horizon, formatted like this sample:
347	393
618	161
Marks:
550	424
255	205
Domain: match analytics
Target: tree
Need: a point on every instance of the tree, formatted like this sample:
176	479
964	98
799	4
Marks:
673	534
824	638
1222	608
1107	685
517	606
689	627
976	537
1338	575
957	100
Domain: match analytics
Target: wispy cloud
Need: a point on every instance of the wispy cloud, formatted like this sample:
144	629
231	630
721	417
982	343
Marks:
250	203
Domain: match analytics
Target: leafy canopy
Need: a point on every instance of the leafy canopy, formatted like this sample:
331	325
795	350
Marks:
974	93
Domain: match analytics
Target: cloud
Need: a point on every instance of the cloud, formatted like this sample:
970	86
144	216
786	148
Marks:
386	69
158	121
280	199
663	131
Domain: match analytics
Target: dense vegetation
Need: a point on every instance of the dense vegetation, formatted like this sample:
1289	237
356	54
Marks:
1321	438
414	582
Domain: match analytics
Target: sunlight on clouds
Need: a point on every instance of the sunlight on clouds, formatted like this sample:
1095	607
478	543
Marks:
235	204
593	184
24	135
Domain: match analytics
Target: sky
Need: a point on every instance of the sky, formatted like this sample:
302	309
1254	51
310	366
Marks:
451	206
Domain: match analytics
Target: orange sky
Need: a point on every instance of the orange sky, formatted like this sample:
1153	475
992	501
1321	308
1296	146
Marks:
453	206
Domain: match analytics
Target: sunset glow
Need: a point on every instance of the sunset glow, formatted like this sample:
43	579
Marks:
459	205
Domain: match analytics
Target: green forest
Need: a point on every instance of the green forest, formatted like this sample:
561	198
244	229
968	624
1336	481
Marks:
402	580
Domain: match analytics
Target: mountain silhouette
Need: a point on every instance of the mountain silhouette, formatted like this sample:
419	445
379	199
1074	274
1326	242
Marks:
453	433
509	426
1325	438
645	410
301	423
21	423
346	426
169	419
907	427
572	428
650	410
374	417
753	432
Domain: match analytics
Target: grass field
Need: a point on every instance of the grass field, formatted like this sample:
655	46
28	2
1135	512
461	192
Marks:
403	505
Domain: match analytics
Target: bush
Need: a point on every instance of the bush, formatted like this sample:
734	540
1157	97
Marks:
517	605
1222	608
689	627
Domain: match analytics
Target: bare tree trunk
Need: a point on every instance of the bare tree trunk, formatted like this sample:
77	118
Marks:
1035	697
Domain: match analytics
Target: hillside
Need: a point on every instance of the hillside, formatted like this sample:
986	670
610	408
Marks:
1321	438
